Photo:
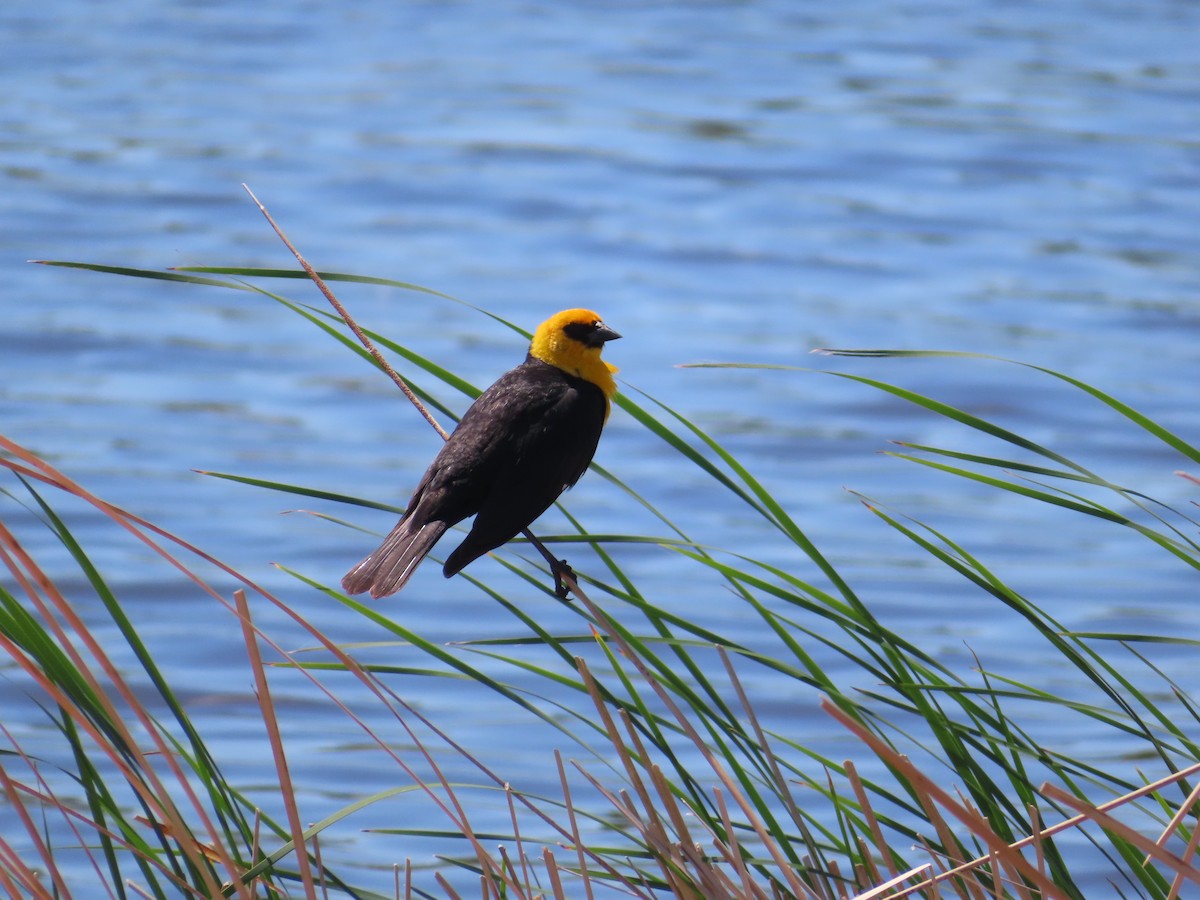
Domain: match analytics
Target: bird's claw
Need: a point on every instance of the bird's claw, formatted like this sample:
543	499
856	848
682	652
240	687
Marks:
561	568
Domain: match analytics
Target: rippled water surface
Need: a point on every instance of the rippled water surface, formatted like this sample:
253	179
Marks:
723	181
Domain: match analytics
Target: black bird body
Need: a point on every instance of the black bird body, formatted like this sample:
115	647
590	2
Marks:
524	440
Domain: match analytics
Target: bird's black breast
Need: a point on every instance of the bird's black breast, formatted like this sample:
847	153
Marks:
520	444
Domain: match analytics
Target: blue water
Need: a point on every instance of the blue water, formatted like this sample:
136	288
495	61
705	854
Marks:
724	182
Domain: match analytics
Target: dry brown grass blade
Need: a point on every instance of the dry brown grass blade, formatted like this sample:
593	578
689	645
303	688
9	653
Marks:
1037	839
994	872
408	882
671	804
516	828
1192	478
864	803
318	865
866	873
445	886
341	310
732	850
573	822
552	873
262	690
510	883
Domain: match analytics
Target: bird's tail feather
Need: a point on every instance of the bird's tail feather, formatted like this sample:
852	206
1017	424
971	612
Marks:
387	569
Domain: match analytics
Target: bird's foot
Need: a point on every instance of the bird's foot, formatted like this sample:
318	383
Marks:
561	568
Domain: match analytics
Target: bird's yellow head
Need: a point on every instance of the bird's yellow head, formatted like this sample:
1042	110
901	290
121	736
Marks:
572	341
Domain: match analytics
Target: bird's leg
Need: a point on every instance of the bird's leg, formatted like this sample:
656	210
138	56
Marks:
558	567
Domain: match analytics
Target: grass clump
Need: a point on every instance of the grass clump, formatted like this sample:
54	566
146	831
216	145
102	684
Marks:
671	777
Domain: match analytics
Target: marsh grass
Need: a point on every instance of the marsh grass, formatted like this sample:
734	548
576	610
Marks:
670	780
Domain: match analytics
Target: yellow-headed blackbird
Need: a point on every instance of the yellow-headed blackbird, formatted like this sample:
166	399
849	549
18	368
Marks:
524	441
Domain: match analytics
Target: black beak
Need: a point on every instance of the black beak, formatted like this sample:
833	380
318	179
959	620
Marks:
602	333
